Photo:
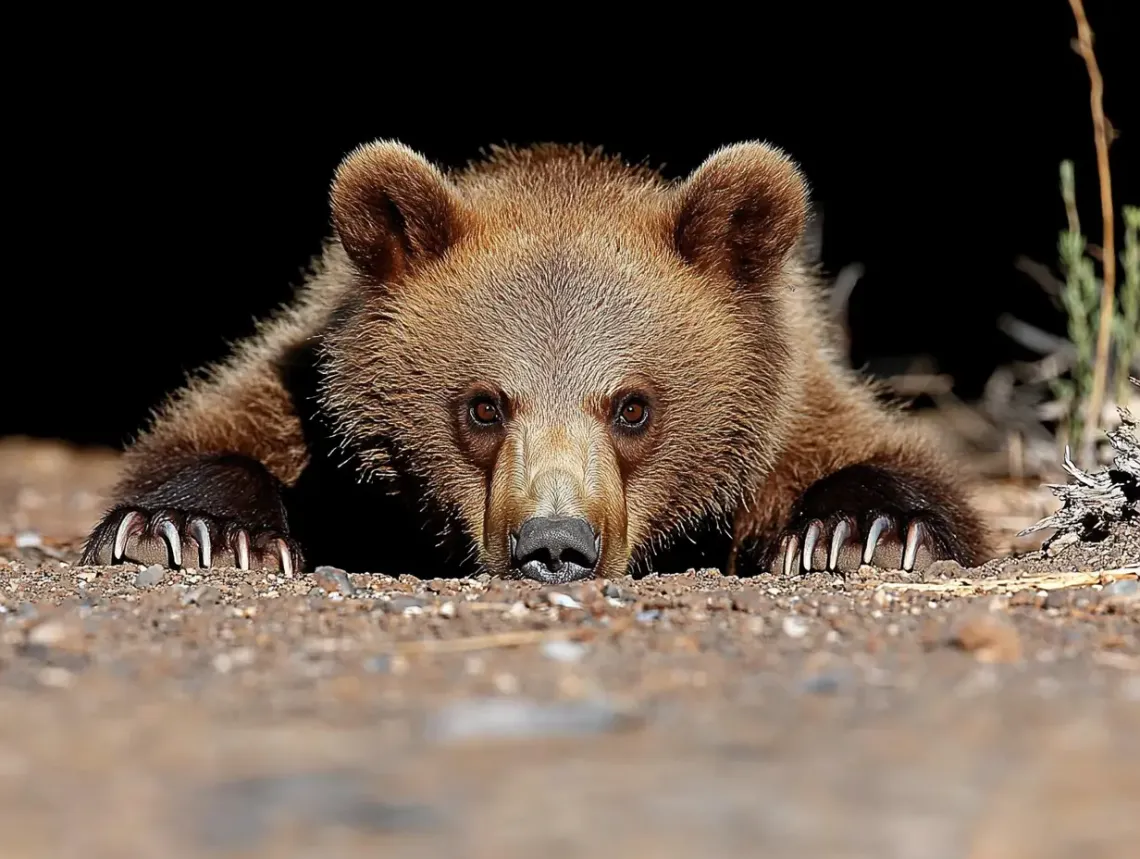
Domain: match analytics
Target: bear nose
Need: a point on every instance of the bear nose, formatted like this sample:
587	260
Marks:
555	549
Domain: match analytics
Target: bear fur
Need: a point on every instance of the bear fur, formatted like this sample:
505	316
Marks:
548	334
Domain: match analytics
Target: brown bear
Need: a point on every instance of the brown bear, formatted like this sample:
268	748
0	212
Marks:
550	364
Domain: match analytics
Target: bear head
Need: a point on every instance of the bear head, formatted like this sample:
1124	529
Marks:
572	359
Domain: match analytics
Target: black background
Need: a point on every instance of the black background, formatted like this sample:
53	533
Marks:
167	205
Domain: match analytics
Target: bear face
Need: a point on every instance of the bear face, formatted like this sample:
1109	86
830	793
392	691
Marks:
521	340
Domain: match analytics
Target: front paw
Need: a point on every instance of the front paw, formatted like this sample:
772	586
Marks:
880	516
843	542
177	539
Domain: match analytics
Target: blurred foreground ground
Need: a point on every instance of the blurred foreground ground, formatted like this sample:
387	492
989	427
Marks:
219	713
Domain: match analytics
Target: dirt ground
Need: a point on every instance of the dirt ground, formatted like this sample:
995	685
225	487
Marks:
149	712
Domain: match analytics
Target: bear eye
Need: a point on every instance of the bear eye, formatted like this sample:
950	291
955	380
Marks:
484	410
633	413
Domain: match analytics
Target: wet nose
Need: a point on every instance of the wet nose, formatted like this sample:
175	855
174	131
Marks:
555	549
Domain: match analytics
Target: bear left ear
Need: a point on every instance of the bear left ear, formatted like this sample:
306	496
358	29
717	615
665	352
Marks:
393	210
741	212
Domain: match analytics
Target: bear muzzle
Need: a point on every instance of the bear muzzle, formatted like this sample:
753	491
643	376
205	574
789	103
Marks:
556	509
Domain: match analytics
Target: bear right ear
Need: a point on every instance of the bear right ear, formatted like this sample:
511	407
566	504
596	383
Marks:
741	213
393	210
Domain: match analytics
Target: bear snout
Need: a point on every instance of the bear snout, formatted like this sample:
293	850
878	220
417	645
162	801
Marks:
555	549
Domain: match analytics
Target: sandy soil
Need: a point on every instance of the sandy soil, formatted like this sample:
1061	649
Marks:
150	712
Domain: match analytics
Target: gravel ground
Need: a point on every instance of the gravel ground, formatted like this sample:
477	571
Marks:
150	712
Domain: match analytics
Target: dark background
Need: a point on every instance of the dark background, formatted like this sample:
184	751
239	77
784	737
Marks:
168	206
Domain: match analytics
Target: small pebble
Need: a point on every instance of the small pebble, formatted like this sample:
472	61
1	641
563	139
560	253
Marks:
944	570
242	816
795	627
203	595
334	579
48	634
150	576
1025	596
990	637
563	651
562	600
404	605
616	592
507	684
237	658
56	677
223	663
381	664
825	683
28	540
648	616
514	718
1123	588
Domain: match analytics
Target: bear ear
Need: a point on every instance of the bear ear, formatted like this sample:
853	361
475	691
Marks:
393	210
741	212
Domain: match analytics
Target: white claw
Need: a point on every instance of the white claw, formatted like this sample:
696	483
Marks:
170	532
913	538
201	533
123	532
242	541
877	528
838	538
790	554
286	558
811	537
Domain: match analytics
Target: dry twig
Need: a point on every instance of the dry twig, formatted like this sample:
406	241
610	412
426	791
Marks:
1101	131
1044	582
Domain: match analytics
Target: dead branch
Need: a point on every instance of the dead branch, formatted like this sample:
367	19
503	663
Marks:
1032	337
1096	501
1100	129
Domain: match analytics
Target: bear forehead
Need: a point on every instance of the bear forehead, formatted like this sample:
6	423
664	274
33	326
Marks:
573	317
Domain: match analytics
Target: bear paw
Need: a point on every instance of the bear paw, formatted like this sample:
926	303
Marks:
175	539
877	515
841	544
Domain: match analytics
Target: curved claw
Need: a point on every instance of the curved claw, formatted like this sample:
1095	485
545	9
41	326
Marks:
811	537
790	554
877	528
131	523
241	549
914	534
838	538
286	558
170	532
201	534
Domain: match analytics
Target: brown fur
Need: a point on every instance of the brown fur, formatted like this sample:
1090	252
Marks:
555	281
